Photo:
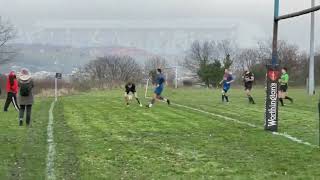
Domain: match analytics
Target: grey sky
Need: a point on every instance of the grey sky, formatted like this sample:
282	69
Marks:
258	12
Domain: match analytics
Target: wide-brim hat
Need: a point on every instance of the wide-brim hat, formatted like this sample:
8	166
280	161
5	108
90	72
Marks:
25	75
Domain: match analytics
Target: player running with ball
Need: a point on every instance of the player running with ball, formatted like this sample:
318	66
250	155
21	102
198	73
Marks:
248	79
131	88
160	80
226	84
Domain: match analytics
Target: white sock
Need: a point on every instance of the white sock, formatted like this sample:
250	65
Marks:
150	105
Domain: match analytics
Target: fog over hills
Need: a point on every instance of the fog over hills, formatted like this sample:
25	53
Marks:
85	30
160	37
71	44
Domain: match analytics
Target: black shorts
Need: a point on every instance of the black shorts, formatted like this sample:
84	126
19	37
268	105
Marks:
284	88
128	92
248	86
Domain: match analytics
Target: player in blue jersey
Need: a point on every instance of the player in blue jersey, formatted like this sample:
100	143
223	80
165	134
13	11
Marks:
226	84
160	80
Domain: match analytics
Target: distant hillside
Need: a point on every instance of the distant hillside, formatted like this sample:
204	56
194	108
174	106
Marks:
37	57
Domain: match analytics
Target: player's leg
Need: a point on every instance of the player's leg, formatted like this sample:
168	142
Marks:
8	101
287	97
281	96
248	94
15	102
137	99
153	100
163	99
126	98
223	95
226	97
21	114
28	114
156	95
248	91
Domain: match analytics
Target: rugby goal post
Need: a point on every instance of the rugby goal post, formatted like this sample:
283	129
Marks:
173	72
273	74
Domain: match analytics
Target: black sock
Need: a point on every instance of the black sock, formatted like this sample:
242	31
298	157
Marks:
252	101
138	100
227	98
153	101
289	98
222	97
281	101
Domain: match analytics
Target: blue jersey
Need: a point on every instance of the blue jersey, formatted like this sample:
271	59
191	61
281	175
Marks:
226	81
160	80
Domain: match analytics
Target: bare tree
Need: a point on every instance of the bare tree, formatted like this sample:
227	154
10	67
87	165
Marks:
7	33
200	54
289	55
247	59
152	64
155	62
227	47
113	70
207	52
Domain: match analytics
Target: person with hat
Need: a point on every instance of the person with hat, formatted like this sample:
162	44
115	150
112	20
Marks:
12	90
26	98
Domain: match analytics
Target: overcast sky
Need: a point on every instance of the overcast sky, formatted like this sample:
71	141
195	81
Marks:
258	12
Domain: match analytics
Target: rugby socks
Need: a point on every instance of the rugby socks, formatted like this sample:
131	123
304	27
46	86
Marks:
138	100
281	101
289	98
168	101
227	98
251	100
164	99
222	97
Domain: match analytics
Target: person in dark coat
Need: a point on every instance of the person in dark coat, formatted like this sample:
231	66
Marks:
26	97
12	90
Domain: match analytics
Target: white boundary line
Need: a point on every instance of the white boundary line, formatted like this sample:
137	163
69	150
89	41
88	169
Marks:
51	147
285	135
288	136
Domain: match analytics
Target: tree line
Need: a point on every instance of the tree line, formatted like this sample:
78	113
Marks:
205	59
208	59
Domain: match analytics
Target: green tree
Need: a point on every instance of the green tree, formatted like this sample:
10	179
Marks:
210	73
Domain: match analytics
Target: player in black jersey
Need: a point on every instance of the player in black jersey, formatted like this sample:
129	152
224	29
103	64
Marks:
130	89
248	79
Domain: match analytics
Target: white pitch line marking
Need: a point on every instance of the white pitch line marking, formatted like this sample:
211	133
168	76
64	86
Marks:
51	147
285	135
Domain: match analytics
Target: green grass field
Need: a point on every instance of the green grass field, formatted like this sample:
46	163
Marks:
97	137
